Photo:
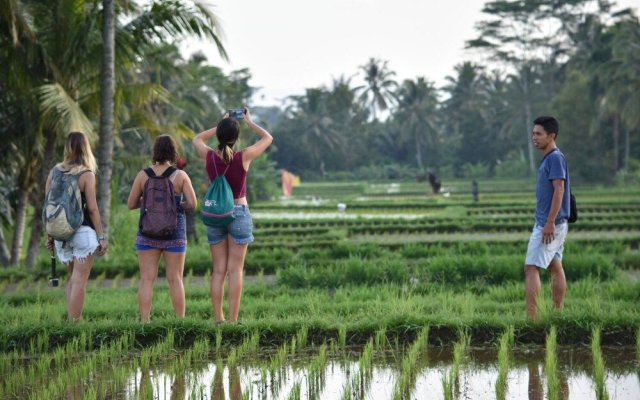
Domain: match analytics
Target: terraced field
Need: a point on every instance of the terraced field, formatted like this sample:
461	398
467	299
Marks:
403	295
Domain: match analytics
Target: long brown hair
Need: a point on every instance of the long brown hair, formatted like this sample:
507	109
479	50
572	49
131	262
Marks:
227	132
164	149
78	154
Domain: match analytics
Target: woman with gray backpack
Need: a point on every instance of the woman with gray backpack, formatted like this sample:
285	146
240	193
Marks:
228	232
162	192
71	218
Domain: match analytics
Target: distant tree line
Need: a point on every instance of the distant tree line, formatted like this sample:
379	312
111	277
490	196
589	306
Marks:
574	59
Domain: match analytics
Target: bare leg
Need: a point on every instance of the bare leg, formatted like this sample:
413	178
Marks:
148	261
219	254
175	270
235	267
532	289
558	283
70	283
78	287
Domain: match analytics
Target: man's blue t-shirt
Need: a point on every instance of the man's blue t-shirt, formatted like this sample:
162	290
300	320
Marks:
553	166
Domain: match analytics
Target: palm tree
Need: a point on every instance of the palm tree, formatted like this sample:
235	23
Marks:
622	76
417	115
107	93
56	58
316	126
378	93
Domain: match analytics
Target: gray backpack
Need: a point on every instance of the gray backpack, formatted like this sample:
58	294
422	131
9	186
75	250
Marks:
62	213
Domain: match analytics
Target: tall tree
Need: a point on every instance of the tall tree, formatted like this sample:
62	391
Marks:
417	117
526	34
378	92
107	93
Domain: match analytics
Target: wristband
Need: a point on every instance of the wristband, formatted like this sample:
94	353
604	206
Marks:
102	237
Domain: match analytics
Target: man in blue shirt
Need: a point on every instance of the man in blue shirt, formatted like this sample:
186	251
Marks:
546	243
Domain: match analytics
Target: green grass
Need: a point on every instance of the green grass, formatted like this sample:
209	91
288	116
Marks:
349	314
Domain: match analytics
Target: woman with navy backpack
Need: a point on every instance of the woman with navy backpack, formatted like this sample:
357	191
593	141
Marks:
162	227
229	243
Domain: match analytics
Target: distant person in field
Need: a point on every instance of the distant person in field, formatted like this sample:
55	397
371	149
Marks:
546	243
434	181
173	249
229	244
78	253
475	192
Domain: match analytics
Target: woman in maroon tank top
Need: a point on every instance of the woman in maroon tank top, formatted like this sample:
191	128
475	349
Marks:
229	244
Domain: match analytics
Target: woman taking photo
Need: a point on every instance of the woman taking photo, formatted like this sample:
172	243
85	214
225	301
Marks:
173	247
78	252
229	244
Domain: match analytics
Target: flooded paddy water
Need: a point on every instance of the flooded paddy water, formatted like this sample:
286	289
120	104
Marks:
344	375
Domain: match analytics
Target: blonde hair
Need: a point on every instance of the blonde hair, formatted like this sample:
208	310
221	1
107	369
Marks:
226	152
78	154
227	131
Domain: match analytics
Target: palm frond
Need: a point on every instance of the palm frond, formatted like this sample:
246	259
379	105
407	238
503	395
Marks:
62	112
173	18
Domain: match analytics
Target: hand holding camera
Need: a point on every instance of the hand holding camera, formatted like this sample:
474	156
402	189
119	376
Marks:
237	113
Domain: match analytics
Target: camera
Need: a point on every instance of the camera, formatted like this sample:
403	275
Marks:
53	279
237	113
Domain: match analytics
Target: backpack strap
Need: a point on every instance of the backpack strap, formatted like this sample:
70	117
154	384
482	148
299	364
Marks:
150	173
216	168
169	171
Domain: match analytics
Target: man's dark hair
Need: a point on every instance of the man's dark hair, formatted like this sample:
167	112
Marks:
549	124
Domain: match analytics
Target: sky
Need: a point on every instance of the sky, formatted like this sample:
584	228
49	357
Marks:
291	45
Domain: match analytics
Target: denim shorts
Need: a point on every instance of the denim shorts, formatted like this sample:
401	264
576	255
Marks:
177	249
81	245
240	229
540	254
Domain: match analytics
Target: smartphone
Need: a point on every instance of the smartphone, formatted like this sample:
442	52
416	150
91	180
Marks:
237	113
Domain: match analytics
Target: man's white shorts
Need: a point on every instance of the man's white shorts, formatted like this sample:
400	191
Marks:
540	254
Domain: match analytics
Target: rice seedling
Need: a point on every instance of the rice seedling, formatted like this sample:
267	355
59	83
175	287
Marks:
218	339
295	392
133	282
115	283
302	336
506	340
189	278
551	364
39	344
451	381
277	368
638	345
459	349
64	375
316	372
99	281
342	336
599	374
409	363
381	338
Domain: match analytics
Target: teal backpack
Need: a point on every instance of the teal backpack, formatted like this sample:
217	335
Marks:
217	207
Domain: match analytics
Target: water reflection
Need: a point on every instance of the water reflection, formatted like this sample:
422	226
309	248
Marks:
526	378
235	387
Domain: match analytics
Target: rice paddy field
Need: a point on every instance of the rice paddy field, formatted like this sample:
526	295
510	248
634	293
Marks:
403	295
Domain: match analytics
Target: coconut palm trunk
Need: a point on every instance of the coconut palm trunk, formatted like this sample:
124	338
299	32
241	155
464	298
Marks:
20	225
107	92
37	197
